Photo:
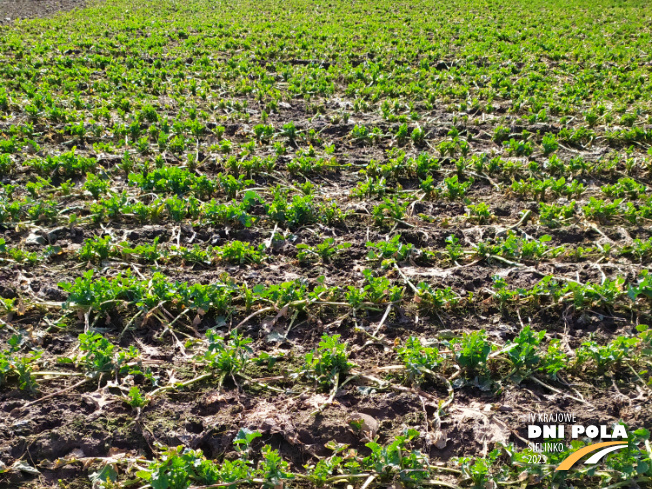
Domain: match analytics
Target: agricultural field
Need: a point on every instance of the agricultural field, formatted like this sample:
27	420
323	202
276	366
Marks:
324	244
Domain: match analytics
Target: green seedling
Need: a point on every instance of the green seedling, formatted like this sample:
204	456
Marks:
626	187
419	360
453	189
227	356
390	250
240	253
554	216
96	249
323	251
473	352
436	299
392	209
329	360
549	144
135	398
480	212
454	248
99	356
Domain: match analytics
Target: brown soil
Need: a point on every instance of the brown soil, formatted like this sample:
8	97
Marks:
11	10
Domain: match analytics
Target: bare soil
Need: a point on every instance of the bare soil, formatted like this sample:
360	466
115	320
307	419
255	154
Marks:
11	10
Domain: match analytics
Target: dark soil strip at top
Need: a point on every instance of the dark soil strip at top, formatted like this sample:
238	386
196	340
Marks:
11	10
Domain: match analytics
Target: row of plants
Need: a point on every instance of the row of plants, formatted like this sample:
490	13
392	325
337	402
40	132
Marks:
104	294
471	359
101	248
510	246
69	165
397	461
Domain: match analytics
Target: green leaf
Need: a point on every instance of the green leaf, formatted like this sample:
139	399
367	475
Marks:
246	436
143	474
356	424
412	434
14	341
373	446
107	474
